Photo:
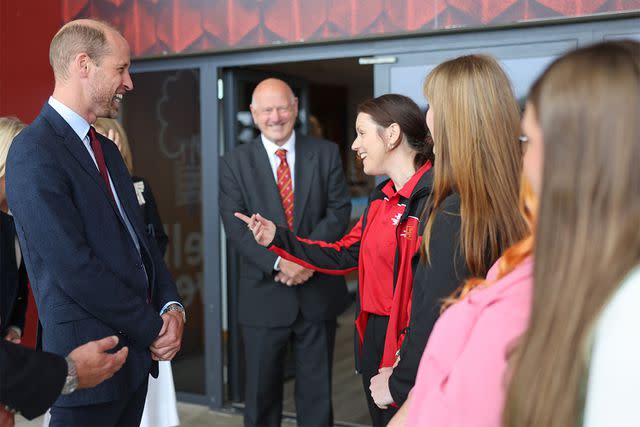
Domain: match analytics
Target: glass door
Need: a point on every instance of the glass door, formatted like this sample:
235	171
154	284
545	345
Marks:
522	63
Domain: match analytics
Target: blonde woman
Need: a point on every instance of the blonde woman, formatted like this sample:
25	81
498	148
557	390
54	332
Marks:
474	120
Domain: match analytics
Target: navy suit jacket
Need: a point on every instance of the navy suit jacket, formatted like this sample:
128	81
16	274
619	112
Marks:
87	276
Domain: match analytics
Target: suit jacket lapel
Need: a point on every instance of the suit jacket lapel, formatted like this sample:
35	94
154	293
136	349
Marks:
77	149
265	182
305	168
120	182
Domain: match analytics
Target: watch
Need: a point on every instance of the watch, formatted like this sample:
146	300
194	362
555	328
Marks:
71	383
176	307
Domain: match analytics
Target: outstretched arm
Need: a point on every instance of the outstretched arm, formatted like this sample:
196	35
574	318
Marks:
336	258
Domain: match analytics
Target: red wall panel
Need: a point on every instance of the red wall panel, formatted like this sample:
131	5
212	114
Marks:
156	27
26	79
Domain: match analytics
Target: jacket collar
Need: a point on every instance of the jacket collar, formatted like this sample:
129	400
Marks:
419	183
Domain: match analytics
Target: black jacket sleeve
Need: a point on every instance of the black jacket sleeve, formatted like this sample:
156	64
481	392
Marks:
152	218
14	293
30	381
22	298
432	282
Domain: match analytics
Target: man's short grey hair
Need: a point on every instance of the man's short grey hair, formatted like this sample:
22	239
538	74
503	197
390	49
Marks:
76	38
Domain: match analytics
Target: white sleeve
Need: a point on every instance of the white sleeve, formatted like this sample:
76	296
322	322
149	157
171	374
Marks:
614	371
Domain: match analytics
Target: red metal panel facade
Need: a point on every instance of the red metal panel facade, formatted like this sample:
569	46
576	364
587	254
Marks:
155	27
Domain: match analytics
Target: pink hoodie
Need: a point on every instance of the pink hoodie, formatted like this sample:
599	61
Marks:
460	380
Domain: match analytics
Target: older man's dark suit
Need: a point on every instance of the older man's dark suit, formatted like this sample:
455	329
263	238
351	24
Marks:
87	276
321	212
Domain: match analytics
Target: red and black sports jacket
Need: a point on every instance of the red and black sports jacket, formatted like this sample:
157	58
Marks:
344	255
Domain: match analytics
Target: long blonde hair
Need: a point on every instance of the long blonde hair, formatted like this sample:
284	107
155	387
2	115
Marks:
587	236
516	253
104	125
476	128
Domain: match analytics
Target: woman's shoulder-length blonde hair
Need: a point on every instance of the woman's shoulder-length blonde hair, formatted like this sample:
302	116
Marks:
478	155
9	128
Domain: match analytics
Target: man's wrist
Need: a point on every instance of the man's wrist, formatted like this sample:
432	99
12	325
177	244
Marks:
175	307
71	383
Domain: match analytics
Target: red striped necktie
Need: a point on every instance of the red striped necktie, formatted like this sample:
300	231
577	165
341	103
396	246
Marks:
285	187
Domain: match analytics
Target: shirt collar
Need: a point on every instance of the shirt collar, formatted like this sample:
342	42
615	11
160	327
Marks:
79	125
271	146
406	191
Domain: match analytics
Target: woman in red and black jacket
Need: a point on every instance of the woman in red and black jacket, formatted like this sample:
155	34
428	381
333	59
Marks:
392	139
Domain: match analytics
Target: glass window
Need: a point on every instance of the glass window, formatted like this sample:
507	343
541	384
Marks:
162	118
408	80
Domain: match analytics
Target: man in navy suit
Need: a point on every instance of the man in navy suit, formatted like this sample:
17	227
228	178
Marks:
93	269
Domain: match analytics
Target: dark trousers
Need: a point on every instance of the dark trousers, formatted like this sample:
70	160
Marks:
265	350
126	412
371	355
